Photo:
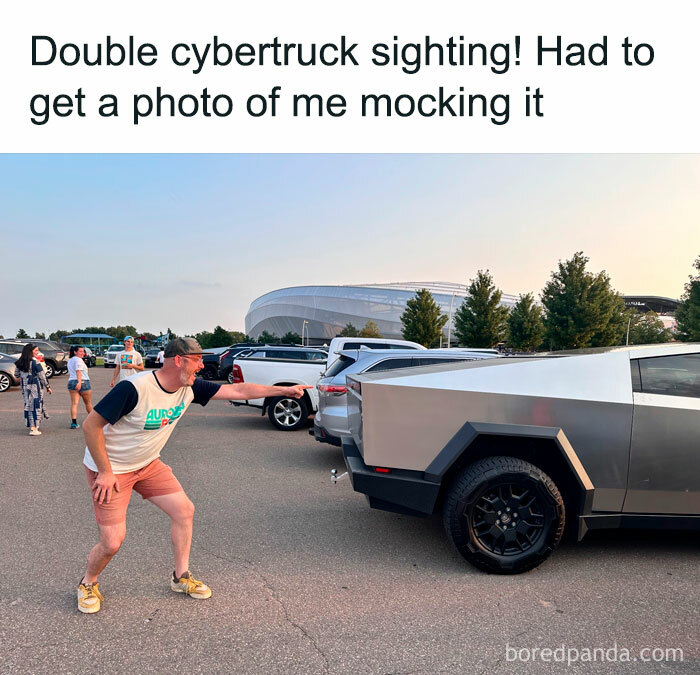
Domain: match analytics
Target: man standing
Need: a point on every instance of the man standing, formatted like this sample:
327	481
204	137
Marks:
125	433
128	362
160	358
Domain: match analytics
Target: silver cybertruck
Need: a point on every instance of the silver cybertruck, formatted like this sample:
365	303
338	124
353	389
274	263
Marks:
512	450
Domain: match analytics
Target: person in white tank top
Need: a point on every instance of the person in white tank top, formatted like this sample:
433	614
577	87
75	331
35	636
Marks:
125	434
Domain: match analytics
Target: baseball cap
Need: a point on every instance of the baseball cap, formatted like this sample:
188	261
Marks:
128	337
182	347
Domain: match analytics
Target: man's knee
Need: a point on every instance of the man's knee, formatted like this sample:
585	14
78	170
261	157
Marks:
187	509
111	538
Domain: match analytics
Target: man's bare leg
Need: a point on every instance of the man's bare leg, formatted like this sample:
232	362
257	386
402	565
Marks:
111	538
181	511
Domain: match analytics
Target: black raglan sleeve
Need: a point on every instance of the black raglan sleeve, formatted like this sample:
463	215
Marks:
119	402
203	390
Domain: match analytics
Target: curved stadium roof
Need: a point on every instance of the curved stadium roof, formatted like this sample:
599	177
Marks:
327	309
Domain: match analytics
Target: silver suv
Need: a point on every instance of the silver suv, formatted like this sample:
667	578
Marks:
331	421
110	356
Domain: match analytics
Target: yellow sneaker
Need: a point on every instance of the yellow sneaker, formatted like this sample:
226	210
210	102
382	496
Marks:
89	598
189	585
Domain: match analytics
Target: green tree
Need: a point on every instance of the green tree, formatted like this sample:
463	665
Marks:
268	338
58	334
422	320
525	325
237	336
204	338
221	337
688	312
371	330
22	334
480	321
39	336
349	331
581	309
646	328
290	338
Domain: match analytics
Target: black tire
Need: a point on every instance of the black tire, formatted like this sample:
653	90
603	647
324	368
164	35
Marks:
481	504
288	414
50	370
5	382
228	376
209	373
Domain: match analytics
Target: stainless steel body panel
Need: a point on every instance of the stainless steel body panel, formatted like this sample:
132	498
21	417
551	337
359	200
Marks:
665	455
405	428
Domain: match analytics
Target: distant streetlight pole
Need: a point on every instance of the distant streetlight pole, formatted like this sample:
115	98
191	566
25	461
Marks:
449	322
303	326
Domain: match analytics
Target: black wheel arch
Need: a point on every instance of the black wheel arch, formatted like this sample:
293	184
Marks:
545	447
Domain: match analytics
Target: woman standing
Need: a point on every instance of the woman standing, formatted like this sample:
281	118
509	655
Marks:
33	382
78	384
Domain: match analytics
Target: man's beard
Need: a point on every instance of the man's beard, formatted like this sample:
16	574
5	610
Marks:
184	378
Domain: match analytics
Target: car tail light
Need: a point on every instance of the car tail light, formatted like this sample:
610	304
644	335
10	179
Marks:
237	374
222	356
381	469
335	389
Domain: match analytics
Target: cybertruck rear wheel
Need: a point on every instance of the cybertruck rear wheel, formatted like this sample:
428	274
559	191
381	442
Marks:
504	515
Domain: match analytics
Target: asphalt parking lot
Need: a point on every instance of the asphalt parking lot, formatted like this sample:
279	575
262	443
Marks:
306	578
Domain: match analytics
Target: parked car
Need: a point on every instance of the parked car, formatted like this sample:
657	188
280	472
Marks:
89	357
226	358
281	365
331	420
110	356
513	449
55	356
150	358
339	344
7	372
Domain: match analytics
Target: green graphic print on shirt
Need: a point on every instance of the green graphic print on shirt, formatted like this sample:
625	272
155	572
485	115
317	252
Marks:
161	417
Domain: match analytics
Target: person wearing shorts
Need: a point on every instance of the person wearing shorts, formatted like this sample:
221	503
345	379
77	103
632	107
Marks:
78	384
125	434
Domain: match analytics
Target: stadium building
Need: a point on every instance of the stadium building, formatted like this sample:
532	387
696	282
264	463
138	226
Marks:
319	313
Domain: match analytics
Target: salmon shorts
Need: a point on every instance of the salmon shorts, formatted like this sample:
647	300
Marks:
153	480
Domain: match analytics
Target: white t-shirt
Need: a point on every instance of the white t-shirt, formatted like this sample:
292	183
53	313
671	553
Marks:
161	356
141	416
132	357
75	364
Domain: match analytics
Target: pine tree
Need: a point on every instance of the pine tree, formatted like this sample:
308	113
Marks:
581	309
371	330
525	325
349	331
480	321
22	334
422	320
688	312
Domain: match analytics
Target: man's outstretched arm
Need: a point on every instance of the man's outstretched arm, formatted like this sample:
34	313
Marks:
249	390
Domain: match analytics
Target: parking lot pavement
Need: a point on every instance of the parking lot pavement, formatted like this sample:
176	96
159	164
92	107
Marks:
306	578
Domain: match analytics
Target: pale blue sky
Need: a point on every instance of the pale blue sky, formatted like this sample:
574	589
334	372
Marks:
188	241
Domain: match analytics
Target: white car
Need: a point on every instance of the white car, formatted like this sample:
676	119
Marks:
110	356
339	344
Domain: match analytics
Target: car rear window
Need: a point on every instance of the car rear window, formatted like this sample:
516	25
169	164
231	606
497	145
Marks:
392	364
369	345
339	365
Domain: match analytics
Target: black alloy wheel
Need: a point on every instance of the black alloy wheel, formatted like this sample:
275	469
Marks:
504	515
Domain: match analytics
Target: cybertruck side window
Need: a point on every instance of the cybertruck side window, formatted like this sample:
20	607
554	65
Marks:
671	375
